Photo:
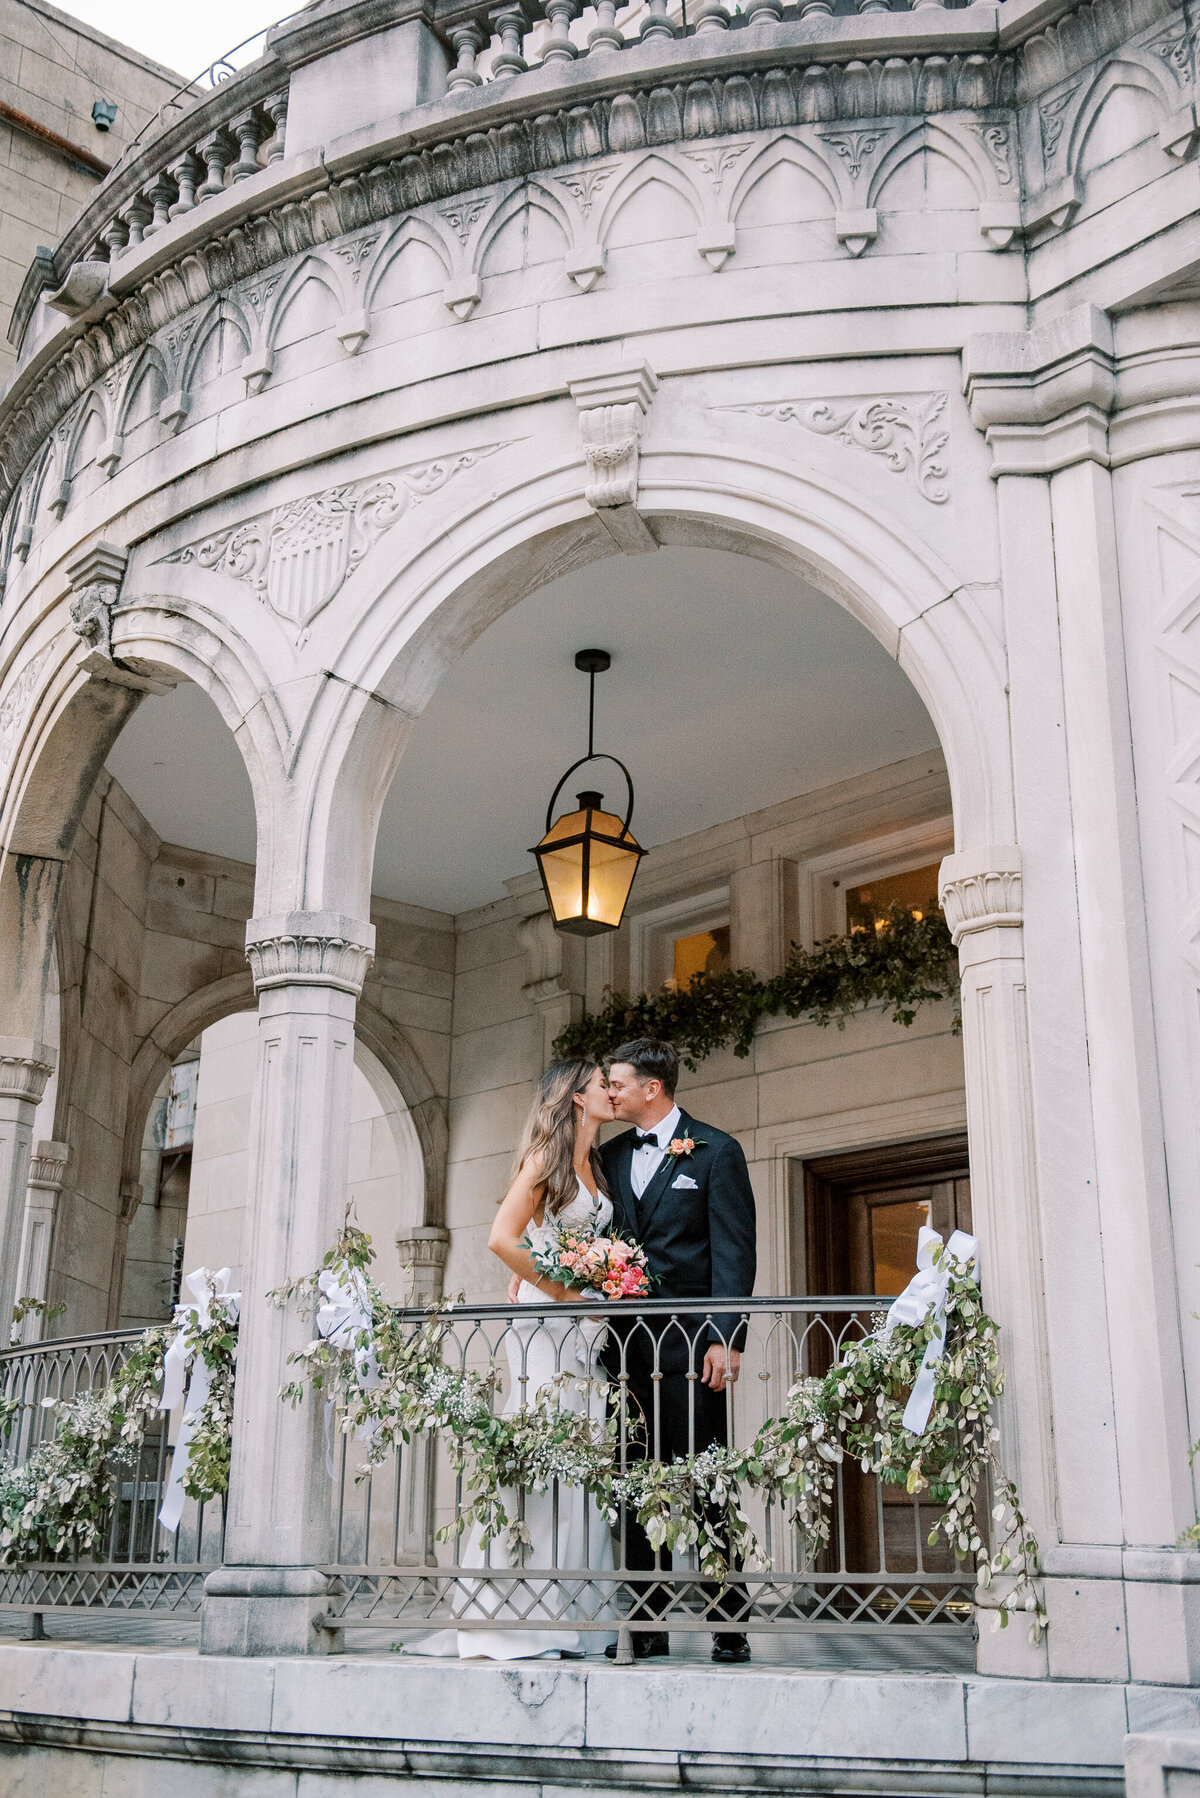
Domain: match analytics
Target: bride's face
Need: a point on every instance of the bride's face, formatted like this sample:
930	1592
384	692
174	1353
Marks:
594	1101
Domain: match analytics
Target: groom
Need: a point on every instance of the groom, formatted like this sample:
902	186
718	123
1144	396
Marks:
682	1190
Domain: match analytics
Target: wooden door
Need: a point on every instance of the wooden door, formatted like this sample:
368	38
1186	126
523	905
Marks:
854	1229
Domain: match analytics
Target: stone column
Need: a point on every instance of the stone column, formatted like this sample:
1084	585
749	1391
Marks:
308	971
980	892
557	971
47	1169
25	1067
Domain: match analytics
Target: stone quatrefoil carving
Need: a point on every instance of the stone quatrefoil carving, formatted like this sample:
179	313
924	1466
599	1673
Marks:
903	429
297	557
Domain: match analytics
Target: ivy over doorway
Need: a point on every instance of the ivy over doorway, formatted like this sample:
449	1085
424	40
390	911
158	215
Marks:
906	962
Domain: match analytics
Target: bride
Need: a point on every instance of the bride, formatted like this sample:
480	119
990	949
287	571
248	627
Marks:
558	1182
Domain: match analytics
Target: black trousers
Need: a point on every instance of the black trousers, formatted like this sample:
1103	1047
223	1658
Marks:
688	1418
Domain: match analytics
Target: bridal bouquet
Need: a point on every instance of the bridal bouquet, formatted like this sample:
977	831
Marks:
608	1265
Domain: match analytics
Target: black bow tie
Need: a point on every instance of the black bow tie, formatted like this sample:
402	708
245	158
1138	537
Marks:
646	1136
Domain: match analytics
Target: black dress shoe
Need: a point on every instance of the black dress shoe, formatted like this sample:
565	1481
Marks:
648	1645
730	1649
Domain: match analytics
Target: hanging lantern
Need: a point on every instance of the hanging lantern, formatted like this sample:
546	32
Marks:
588	858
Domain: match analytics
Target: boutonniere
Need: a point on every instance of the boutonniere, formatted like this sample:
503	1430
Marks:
683	1145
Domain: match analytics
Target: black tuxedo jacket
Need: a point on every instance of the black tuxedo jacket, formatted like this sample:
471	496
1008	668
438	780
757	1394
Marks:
699	1238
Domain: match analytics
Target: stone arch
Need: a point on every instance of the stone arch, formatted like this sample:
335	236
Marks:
308	269
148	365
93	408
966	156
795	152
530	193
222	311
1128	71
732	497
385	1041
410	230
651	166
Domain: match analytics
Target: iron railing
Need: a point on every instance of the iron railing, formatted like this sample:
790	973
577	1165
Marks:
401	1564
138	1566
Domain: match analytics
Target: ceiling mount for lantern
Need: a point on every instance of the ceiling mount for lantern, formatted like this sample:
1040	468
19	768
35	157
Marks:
587	860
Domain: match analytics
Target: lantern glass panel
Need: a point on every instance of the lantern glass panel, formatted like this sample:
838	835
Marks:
587	846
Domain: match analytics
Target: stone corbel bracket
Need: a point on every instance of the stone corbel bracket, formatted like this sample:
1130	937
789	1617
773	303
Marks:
96	588
1043	398
611	410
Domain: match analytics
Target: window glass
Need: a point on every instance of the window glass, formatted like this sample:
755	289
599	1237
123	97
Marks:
706	952
867	906
894	1243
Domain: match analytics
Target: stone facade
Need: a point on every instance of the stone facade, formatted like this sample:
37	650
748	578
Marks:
334	370
53	70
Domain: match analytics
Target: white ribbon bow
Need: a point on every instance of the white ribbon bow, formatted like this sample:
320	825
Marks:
342	1319
929	1289
204	1288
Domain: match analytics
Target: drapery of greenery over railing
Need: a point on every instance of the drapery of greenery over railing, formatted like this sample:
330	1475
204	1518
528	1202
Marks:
57	1503
389	1384
908	963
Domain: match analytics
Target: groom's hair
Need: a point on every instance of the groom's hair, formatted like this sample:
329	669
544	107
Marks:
650	1059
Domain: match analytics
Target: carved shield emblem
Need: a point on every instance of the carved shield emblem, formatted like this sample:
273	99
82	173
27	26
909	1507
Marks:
308	554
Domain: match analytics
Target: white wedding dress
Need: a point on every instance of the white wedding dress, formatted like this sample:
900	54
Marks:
537	1351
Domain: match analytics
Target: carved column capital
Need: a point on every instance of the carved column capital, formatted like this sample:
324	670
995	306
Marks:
48	1166
309	948
424	1250
25	1067
981	890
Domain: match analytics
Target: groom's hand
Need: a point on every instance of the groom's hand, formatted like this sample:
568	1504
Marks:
721	1367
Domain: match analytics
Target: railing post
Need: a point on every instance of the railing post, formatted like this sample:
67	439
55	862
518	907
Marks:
308	970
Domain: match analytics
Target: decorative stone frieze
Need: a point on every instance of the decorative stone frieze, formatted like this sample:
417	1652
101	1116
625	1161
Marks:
297	558
904	430
309	949
981	890
14	707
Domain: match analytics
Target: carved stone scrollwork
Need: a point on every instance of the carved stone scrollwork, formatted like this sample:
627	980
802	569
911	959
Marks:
981	890
611	409
309	949
904	429
48	1166
298	557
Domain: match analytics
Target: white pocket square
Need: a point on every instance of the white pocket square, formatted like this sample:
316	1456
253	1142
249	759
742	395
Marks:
686	1181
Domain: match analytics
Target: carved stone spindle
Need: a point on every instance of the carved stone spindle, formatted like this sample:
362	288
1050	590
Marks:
214	152
467	41
917	5
605	36
657	23
874	6
136	215
510	24
275	106
158	194
185	173
711	15
559	47
763	12
116	235
249	133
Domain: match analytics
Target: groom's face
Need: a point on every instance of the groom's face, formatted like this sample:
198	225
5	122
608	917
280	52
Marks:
631	1097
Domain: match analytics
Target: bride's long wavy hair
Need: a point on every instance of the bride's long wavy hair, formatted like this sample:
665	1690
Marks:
551	1128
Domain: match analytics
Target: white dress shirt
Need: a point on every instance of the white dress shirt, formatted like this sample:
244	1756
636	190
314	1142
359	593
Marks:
647	1156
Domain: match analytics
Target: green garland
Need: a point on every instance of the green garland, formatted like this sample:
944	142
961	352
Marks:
57	1503
908	963
388	1384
